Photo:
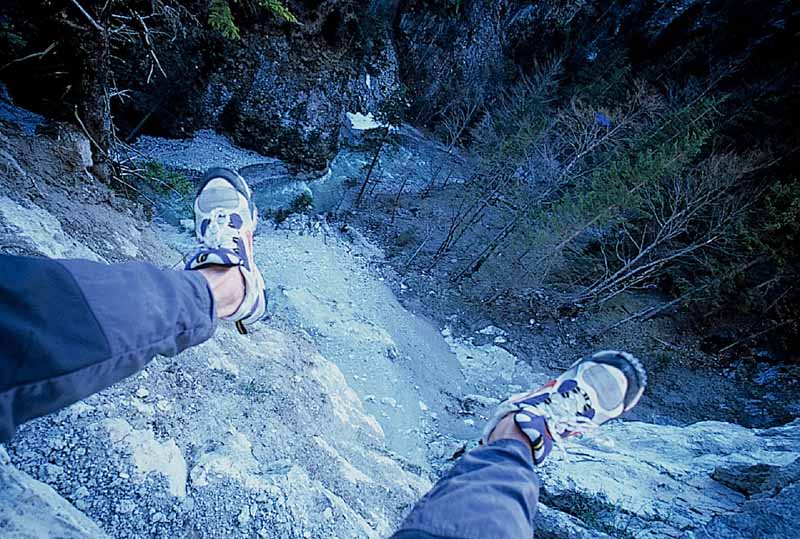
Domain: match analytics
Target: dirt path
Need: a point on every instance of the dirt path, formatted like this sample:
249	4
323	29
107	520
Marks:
411	377
410	374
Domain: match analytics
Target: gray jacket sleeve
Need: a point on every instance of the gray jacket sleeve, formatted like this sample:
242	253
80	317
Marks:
70	328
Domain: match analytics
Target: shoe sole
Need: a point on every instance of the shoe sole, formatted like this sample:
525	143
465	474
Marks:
235	179
631	367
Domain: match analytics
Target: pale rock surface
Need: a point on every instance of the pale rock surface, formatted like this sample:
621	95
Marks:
44	230
29	509
278	439
150	455
662	474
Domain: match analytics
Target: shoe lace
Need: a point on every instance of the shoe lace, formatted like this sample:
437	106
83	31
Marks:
219	233
563	414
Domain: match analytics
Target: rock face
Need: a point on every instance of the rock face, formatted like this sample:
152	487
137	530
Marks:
450	60
29	509
257	437
659	481
763	480
282	89
266	436
282	446
285	103
764	518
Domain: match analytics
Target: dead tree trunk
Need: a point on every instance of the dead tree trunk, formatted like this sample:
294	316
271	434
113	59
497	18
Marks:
372	166
94	109
397	198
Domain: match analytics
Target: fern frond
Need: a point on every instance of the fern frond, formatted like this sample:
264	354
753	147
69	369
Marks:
221	19
278	8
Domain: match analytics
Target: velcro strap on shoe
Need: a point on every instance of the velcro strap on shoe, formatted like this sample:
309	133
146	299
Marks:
213	257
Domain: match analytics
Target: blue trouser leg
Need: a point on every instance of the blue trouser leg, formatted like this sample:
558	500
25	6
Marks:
70	328
491	493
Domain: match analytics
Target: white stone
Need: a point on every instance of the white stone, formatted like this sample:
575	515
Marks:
143	408
492	330
363	122
233	459
481	400
489	362
43	230
150	455
244	516
389	401
219	359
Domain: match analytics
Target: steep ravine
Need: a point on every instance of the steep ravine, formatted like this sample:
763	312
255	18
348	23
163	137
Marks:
334	415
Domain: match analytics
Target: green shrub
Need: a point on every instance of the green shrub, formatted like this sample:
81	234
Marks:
279	9
280	215
165	181
404	238
755	272
302	203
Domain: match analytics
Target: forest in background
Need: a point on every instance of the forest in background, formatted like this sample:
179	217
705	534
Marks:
612	146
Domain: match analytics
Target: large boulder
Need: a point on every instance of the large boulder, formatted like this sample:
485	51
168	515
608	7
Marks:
287	102
29	509
659	481
763	518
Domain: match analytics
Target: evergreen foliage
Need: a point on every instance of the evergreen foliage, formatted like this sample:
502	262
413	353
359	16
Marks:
163	181
279	9
302	203
602	184
220	17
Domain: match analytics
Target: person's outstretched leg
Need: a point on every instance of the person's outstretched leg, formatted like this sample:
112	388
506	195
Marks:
70	328
493	490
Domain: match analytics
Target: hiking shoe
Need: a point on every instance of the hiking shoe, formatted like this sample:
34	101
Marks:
591	392
225	219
